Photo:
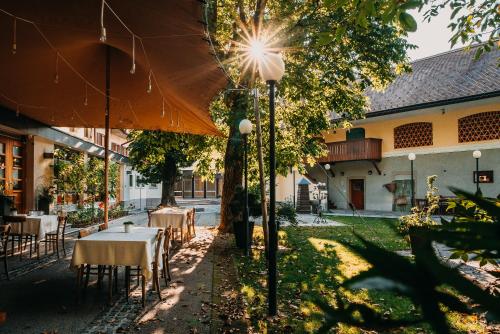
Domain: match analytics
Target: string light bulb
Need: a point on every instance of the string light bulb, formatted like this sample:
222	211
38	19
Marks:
162	108
103	28
150	87
14	38
132	69
56	75
86	100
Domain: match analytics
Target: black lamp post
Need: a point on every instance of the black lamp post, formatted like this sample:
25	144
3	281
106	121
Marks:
245	129
477	154
271	70
412	158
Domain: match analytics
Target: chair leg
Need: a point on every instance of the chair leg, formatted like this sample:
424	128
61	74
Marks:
143	290
20	246
168	269
116	278
57	246
110	284
5	265
87	276
164	269
63	246
79	277
156	277
127	281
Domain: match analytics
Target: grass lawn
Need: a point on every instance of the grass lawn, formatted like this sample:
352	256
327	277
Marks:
313	264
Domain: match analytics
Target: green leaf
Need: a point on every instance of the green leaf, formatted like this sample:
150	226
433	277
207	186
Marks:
407	22
324	38
411	4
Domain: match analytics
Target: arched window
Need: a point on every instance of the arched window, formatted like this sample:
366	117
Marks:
413	135
355	133
478	127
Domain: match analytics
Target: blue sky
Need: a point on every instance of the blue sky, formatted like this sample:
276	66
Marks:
433	37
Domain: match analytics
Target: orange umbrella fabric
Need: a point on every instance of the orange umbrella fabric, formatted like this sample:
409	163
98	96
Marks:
57	73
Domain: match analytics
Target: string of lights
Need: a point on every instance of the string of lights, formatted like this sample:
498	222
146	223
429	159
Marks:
103	38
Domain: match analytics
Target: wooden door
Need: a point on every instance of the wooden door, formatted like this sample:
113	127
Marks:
12	170
357	190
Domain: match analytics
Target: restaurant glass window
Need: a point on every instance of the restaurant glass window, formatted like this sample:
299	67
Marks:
11	170
178	188
188	186
211	190
199	187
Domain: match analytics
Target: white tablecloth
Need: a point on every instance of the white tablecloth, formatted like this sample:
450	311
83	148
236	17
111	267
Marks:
115	247
175	217
39	225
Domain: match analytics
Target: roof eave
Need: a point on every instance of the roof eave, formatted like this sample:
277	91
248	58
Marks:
432	104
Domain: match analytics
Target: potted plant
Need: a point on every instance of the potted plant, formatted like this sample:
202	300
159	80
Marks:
420	217
46	195
128	226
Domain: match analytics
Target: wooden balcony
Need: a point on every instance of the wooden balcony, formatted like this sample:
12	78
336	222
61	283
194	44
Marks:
352	150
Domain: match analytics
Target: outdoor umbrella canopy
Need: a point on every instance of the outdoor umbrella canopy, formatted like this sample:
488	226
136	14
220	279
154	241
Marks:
53	64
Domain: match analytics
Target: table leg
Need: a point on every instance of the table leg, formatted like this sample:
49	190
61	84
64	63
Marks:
127	281
110	284
143	290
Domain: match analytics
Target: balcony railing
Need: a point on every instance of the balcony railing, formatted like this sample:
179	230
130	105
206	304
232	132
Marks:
352	150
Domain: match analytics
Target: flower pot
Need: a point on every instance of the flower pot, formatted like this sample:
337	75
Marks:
416	242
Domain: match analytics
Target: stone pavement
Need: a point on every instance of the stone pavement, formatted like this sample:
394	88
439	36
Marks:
40	297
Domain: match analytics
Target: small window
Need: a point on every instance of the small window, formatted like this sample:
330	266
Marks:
131	181
355	133
413	135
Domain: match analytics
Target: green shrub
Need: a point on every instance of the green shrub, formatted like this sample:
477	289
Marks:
285	212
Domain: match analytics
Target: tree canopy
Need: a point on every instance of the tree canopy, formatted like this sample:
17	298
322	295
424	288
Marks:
158	155
331	57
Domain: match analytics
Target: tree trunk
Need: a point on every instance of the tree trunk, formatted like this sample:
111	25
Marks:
237	101
262	173
168	182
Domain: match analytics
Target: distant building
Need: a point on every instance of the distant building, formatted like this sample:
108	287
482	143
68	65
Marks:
445	109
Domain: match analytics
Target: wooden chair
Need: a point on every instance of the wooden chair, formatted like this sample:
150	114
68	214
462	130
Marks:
166	255
18	236
86	270
4	240
191	229
52	238
155	265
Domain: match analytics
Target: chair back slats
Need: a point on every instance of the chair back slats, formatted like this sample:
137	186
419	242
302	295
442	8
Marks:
61	224
159	237
16	220
166	242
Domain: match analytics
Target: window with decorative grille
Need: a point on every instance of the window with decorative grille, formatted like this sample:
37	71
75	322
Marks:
478	127
413	135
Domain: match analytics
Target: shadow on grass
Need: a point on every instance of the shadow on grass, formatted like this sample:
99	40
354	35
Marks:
314	263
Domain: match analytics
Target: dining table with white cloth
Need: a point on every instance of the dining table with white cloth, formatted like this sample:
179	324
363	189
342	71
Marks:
37	225
170	216
115	247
